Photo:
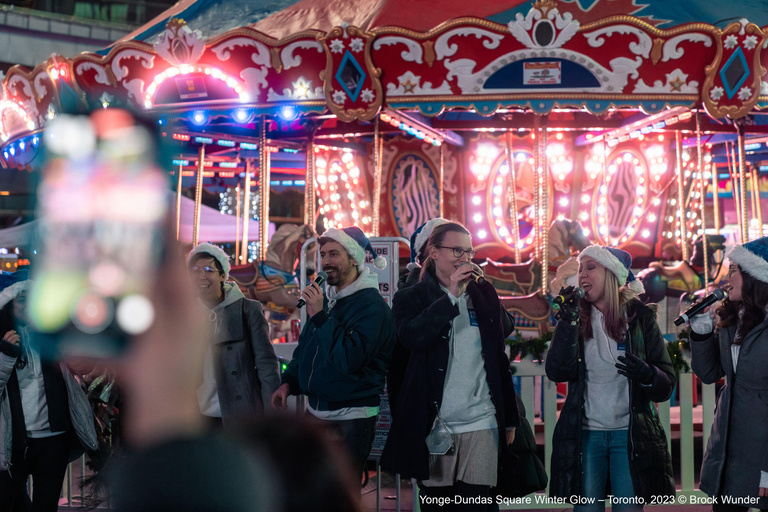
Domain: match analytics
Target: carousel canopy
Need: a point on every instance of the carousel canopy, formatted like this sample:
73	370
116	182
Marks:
280	18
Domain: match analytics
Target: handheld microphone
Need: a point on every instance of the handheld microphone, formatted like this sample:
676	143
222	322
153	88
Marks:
319	279
476	275
479	278
569	294
697	308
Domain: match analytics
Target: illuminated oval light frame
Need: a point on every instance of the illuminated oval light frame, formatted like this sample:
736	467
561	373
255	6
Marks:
186	69
601	189
501	226
18	108
331	172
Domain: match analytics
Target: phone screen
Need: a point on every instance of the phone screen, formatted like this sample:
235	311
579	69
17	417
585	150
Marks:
101	208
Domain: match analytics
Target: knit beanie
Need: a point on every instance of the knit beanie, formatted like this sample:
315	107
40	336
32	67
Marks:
752	257
356	244
617	261
215	251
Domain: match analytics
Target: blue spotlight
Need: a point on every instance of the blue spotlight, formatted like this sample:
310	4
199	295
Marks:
241	115
199	118
288	113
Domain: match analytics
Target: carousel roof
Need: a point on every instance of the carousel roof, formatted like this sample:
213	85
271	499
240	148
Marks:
280	18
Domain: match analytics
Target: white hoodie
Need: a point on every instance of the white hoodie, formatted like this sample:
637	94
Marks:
207	394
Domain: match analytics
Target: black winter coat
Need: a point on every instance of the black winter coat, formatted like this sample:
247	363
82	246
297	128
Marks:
423	314
649	457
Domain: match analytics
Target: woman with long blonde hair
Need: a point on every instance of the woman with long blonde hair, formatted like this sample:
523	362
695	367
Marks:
609	349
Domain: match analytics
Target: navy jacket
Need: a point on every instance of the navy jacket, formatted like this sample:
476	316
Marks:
343	354
423	314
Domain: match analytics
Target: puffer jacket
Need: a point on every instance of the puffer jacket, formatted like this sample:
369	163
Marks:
80	410
649	457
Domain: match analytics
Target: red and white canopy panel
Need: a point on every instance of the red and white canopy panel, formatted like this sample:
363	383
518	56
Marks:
540	60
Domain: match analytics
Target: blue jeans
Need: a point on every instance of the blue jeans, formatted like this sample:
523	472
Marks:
604	454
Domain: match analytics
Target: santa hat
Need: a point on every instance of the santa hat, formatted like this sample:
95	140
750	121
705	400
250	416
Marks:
215	252
420	237
11	292
356	243
752	257
617	261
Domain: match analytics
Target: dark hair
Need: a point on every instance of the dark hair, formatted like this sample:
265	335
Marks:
754	298
312	472
6	318
436	239
326	239
201	255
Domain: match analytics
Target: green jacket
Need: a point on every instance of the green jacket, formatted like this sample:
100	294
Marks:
344	353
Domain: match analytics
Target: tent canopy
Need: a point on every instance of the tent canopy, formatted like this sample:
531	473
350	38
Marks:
214	227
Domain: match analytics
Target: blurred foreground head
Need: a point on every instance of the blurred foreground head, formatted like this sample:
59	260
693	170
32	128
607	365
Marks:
312	471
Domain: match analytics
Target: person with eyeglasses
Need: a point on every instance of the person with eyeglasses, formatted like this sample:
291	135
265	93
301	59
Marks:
240	370
458	379
51	422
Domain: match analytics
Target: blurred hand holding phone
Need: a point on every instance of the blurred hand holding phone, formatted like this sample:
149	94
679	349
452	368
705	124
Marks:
102	210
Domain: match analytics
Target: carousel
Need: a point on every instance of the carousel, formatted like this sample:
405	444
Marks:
542	126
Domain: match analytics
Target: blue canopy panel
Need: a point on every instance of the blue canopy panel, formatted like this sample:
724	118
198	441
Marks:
662	13
212	17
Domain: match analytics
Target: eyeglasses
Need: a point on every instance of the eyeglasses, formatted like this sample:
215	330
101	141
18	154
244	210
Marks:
458	252
208	271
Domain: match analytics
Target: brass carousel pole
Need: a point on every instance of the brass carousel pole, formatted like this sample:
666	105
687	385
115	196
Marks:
309	184
512	195
756	181
536	174
237	222
715	196
198	193
441	182
754	198
178	200
544	203
734	185
377	153
246	211
264	163
743	181
681	195
703	201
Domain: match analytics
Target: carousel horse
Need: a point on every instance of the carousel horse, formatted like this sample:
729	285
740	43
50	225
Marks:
566	239
273	281
682	277
529	311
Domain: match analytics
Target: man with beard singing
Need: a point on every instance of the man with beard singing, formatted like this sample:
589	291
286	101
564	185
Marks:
345	348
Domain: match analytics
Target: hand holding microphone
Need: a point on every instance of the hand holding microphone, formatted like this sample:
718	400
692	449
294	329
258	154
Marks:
690	315
567	301
311	293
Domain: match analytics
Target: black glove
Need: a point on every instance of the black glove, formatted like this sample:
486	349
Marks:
636	369
568	310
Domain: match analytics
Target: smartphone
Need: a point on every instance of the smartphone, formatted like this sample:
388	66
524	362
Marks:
101	211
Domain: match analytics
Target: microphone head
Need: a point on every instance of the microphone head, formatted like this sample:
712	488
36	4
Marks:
720	294
321	277
578	292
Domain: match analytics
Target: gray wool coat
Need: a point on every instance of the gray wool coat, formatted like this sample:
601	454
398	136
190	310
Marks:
738	445
245	364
